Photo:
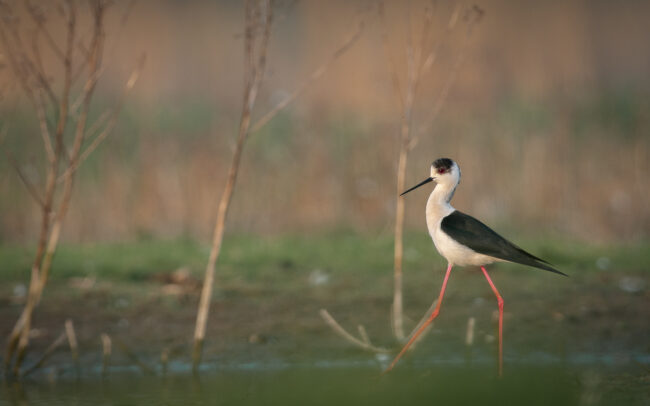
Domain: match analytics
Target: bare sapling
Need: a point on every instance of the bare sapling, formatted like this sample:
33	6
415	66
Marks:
420	54
258	22
61	104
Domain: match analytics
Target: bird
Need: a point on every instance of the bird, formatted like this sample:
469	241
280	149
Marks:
464	241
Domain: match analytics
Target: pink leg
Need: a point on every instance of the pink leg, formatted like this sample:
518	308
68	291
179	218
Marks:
500	302
434	314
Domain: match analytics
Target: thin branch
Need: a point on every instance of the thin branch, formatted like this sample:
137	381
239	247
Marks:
451	24
13	55
392	66
472	17
349	337
89	87
78	102
363	334
28	184
45	131
112	121
27	64
315	75
79	70
39	20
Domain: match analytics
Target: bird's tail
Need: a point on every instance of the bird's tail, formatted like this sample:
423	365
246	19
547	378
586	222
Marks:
547	267
526	258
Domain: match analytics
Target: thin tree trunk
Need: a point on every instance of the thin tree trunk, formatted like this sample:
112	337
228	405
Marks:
254	71
413	71
29	70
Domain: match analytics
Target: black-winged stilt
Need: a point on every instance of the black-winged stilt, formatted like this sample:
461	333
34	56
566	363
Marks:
463	240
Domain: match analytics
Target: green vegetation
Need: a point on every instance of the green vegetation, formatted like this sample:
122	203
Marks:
283	257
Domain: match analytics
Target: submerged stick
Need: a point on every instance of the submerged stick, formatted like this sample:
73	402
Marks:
349	337
72	342
131	355
46	355
106	352
164	360
469	339
469	336
363	334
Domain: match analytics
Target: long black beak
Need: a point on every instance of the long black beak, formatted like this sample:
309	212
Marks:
424	182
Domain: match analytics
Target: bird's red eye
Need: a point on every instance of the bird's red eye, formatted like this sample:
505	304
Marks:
441	170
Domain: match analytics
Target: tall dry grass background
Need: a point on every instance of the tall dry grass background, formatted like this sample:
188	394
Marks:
549	118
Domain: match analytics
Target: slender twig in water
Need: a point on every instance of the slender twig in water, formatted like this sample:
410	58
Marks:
164	360
72	342
46	355
347	336
469	335
134	358
106	352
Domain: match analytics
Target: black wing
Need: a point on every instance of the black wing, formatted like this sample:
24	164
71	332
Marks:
473	234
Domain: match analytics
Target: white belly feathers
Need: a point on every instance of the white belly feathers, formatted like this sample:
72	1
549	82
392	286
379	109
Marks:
455	253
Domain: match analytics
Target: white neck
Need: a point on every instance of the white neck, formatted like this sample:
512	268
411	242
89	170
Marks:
438	205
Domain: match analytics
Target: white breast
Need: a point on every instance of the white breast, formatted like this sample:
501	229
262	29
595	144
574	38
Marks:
454	252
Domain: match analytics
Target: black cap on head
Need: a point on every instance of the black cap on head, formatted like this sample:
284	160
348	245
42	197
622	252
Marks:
443	165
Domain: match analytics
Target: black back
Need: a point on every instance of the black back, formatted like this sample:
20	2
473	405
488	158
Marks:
471	233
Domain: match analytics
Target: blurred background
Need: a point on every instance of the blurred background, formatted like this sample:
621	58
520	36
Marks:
549	119
548	116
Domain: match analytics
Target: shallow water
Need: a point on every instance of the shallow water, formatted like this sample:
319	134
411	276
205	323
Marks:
341	383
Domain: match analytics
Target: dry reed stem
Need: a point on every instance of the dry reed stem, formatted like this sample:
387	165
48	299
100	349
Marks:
363	343
72	341
363	334
106	352
469	335
164	360
254	66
